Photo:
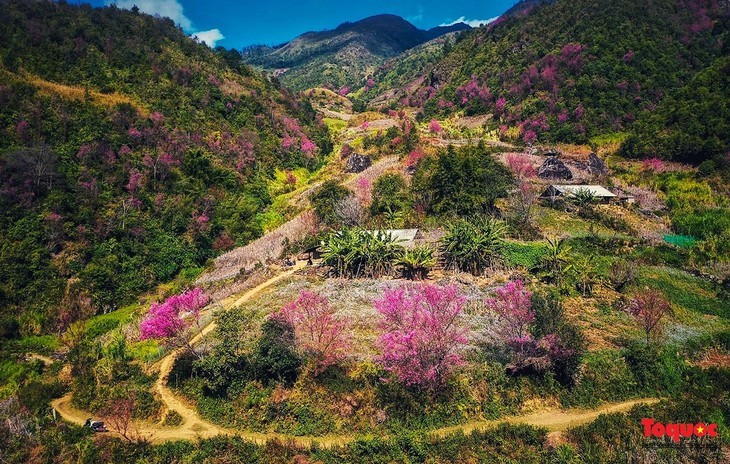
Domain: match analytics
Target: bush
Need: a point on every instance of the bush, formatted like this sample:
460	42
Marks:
473	246
550	319
463	182
325	202
36	395
275	357
390	194
657	370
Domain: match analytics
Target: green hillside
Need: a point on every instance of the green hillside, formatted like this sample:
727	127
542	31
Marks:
128	152
569	71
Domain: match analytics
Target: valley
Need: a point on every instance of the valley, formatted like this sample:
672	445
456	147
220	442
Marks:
375	243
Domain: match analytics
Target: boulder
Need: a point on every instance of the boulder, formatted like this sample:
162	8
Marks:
596	166
358	163
554	169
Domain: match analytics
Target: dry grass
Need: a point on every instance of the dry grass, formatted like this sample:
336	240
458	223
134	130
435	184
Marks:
78	93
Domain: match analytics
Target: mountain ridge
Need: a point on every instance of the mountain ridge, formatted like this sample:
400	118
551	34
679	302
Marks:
356	48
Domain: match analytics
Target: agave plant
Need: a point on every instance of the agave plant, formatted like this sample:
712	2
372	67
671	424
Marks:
583	199
360	253
474	246
416	263
557	262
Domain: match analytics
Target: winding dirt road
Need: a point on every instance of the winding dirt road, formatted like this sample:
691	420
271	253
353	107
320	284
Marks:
195	427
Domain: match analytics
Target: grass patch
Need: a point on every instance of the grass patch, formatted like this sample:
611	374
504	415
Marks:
684	290
335	125
104	323
42	344
146	351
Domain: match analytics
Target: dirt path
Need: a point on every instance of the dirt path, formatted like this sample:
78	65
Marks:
195	427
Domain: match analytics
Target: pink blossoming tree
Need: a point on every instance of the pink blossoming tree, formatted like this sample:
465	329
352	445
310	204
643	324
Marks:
319	334
513	305
171	319
422	334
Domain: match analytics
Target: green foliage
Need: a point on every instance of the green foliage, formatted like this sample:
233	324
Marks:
689	125
473	246
604	376
360	253
527	255
390	194
550	319
37	395
657	370
325	202
461	182
415	263
275	357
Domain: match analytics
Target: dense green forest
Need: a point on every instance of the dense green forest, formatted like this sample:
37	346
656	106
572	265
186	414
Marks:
128	153
569	71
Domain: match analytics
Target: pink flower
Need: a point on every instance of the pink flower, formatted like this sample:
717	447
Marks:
422	334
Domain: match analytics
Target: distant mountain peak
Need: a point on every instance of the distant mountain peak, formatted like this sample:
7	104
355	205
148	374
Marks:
343	56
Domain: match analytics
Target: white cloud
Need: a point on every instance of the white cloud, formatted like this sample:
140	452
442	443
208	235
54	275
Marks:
210	38
168	8
471	22
172	9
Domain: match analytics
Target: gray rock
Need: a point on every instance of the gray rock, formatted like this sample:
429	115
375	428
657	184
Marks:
554	169
596	166
358	163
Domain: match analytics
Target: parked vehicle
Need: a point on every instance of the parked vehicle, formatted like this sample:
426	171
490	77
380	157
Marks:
96	426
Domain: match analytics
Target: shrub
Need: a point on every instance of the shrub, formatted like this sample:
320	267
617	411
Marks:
325	202
417	262
473	246
462	182
359	253
390	193
275	357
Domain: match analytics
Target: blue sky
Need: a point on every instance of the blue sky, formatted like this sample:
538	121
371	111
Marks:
235	24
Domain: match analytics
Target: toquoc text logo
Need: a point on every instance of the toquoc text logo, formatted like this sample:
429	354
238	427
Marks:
657	429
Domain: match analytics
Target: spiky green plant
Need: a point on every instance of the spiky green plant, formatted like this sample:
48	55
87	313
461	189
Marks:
360	253
417	262
474	246
557	262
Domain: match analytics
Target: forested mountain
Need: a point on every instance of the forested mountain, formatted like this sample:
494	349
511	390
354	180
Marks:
571	70
345	55
128	153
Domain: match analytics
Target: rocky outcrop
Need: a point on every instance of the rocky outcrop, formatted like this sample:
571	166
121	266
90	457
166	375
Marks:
358	163
596	166
554	169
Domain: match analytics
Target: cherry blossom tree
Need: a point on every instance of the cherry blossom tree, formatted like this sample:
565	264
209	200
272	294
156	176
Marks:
521	166
434	127
422	334
649	309
513	305
319	334
171	319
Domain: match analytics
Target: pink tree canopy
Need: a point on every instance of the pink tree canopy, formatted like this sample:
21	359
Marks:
422	333
319	334
171	319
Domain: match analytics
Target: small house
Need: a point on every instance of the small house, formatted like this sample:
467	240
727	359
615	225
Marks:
562	192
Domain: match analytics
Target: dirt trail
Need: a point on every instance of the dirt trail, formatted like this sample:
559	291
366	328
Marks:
195	427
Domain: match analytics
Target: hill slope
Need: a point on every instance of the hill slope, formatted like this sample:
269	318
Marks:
128	152
567	71
343	56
